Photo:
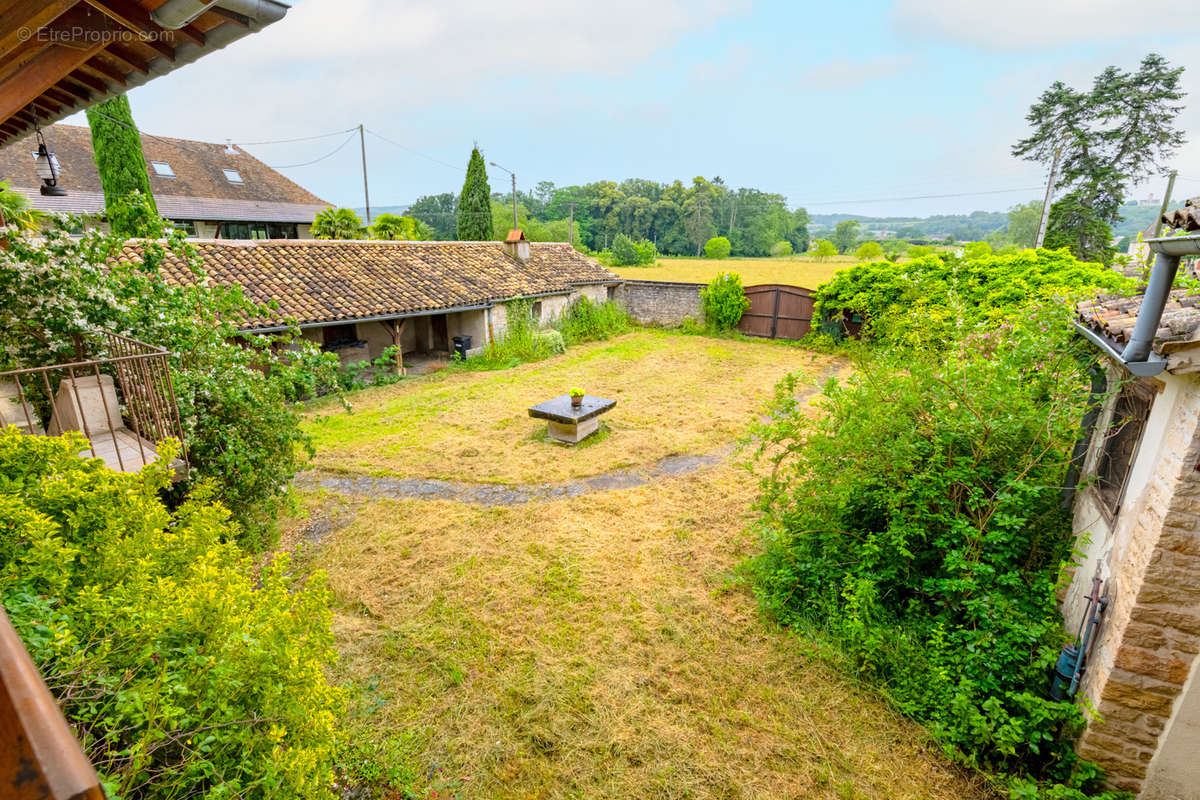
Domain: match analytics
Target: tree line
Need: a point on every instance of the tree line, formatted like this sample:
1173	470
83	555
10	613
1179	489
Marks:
677	218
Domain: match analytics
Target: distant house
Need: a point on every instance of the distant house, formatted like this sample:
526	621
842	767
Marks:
357	298
209	190
1138	522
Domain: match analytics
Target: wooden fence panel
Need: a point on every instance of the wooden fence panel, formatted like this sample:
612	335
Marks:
777	312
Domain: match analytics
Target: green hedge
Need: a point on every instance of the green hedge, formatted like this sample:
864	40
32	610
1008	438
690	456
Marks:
183	670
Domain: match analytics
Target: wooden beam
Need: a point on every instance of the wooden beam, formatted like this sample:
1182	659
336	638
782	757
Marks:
129	58
47	105
99	86
43	759
65	99
229	16
74	89
21	19
40	73
106	71
138	20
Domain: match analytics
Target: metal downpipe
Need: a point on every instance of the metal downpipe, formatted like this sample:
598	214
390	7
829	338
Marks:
1153	302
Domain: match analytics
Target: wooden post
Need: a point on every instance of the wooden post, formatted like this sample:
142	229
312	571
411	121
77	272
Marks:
39	756
397	331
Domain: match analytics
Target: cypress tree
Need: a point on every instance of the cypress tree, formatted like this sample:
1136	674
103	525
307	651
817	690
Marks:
475	202
117	147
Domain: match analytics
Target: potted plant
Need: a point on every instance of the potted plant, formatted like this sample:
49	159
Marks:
576	397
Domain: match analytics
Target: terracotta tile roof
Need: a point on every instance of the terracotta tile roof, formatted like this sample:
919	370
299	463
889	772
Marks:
199	189
316	281
1113	317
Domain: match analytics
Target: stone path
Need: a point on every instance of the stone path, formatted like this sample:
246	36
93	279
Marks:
492	494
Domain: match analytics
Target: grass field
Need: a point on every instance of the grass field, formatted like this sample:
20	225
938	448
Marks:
792	270
601	646
474	426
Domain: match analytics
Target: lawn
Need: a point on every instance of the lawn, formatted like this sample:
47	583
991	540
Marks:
675	394
596	646
790	270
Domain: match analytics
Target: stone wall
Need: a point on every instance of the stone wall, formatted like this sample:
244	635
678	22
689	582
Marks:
1149	557
661	302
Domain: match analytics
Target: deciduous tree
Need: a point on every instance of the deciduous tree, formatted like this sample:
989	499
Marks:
845	236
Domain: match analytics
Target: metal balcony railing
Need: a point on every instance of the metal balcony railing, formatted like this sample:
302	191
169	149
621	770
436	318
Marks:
123	401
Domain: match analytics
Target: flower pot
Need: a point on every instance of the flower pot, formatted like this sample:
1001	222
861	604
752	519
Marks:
576	402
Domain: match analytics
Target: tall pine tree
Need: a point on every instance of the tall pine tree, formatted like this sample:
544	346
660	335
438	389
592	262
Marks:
475	202
117	147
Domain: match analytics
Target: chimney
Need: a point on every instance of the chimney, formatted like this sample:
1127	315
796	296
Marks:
516	245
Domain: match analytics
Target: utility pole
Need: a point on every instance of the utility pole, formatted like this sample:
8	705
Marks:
571	225
362	141
514	191
1041	232
1158	223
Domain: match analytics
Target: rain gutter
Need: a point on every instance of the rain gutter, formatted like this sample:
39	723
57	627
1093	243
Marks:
1138	355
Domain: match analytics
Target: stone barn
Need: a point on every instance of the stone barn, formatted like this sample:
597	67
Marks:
357	298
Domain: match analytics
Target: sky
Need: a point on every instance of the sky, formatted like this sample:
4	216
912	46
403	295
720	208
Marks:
840	108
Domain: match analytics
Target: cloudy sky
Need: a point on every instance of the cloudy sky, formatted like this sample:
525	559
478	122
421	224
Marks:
837	109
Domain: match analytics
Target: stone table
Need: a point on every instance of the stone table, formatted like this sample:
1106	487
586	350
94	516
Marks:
568	423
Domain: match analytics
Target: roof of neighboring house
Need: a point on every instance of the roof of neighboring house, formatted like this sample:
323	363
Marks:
315	281
61	56
1113	317
199	189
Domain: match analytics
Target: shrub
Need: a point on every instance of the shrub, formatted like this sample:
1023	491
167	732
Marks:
919	250
183	670
939	290
918	521
781	249
977	250
717	247
585	321
869	251
647	253
519	341
724	301
823	250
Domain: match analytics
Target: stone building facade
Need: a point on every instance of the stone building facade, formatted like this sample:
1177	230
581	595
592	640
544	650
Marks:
1138	521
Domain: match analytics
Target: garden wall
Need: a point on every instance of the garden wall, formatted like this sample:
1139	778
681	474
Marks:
661	302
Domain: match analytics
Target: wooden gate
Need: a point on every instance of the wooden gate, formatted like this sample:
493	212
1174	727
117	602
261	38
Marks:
777	312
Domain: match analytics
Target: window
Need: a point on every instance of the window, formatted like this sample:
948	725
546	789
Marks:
612	293
258	230
335	336
1130	412
536	311
186	225
162	169
232	175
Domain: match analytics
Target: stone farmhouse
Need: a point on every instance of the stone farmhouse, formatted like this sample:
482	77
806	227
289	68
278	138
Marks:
212	191
1138	519
357	298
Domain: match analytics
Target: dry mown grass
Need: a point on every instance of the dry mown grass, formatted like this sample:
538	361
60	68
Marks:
790	270
675	394
600	647
596	647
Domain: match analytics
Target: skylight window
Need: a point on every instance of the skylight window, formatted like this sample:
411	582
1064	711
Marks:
163	169
232	175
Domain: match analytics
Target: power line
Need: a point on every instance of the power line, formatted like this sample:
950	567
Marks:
415	152
299	139
330	154
920	197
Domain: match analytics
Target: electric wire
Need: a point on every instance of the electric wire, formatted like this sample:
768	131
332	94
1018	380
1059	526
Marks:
415	152
330	154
